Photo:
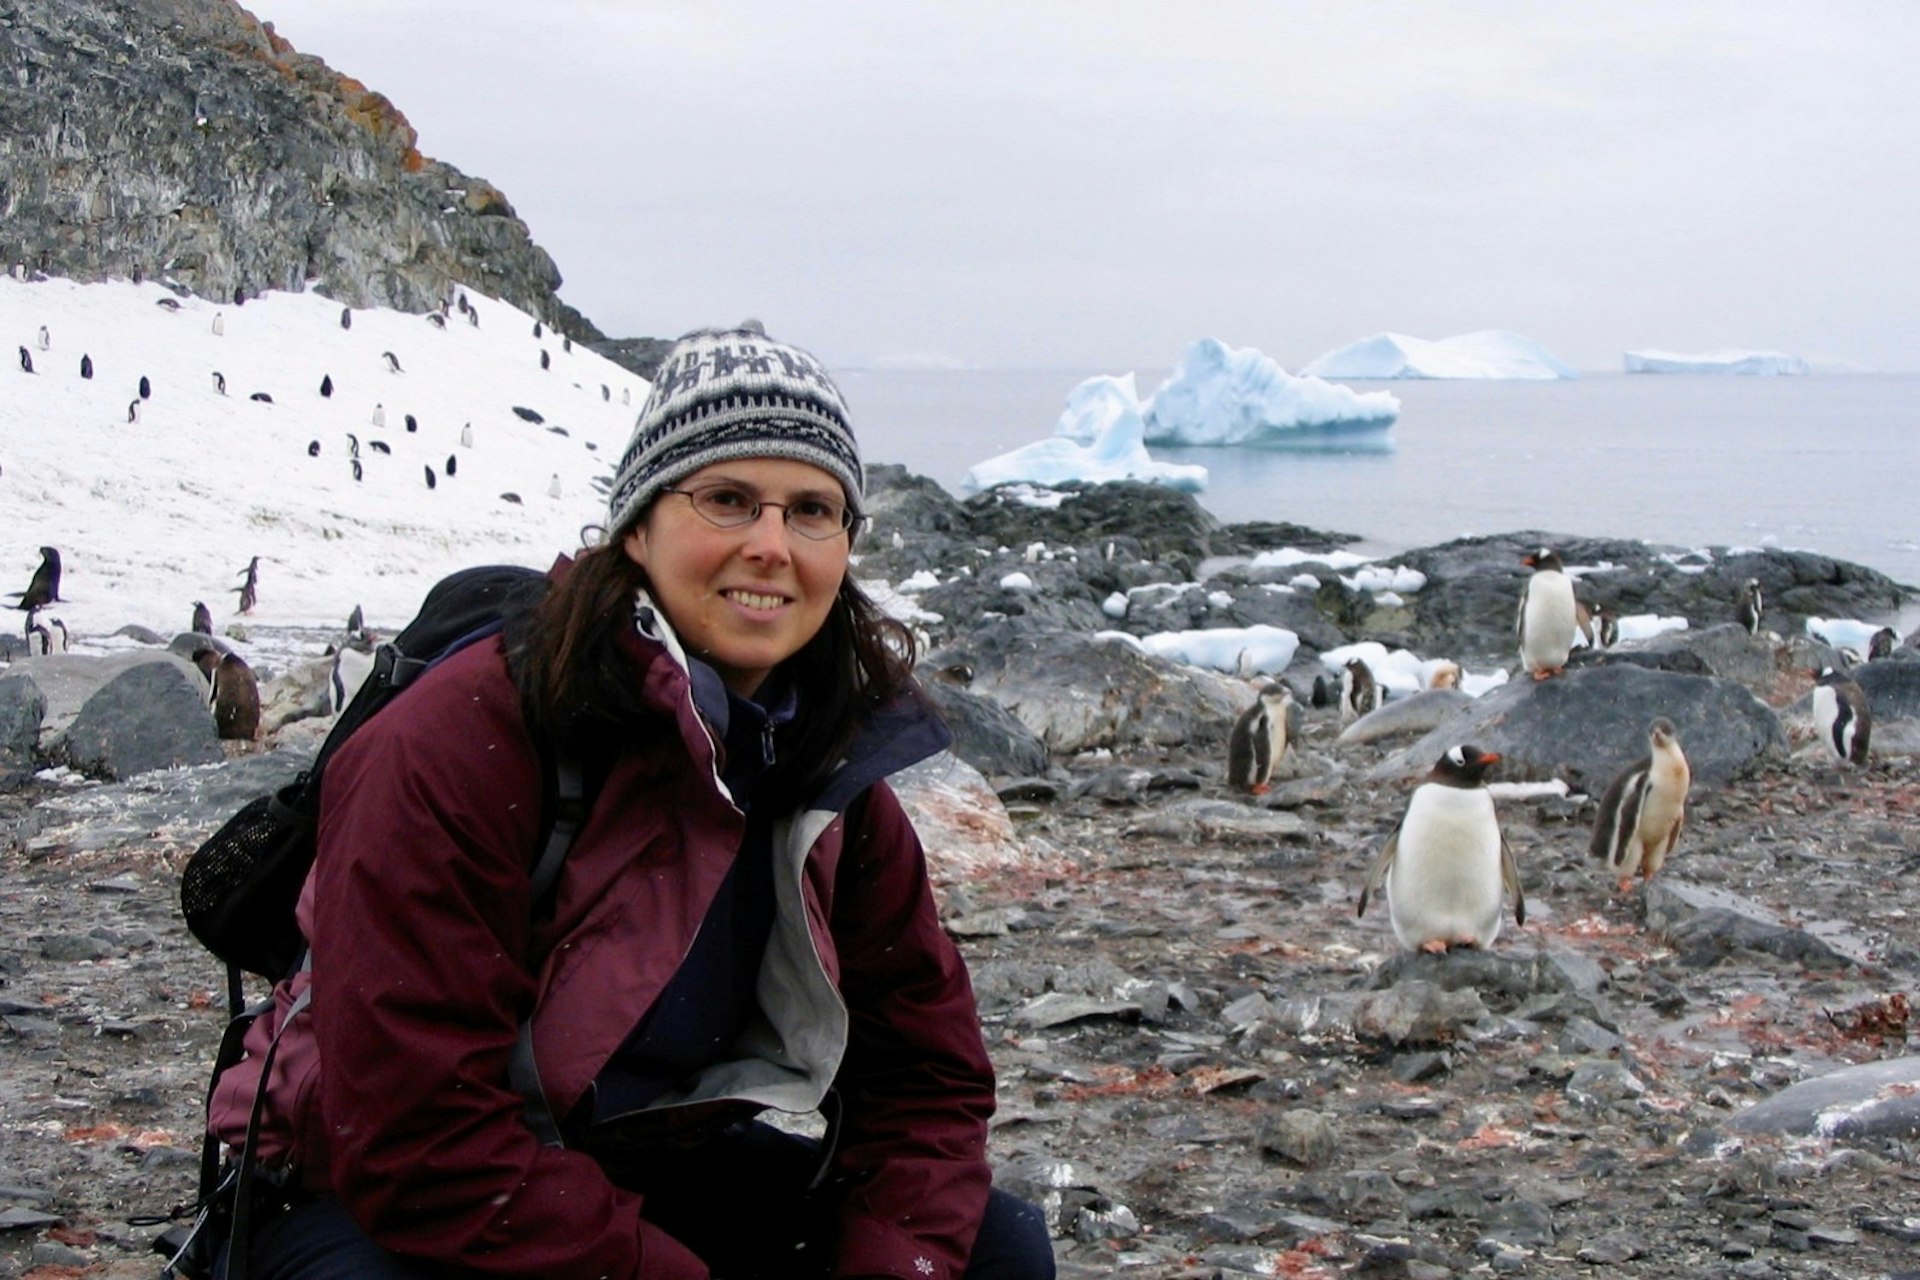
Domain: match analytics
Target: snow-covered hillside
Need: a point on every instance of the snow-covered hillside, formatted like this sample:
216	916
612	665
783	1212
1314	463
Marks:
152	515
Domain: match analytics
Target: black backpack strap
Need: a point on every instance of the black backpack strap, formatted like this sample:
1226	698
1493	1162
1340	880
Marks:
568	804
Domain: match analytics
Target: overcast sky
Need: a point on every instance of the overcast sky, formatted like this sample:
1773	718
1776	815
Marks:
1084	185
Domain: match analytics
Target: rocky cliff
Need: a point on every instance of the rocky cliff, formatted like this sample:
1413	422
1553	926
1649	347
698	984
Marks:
184	140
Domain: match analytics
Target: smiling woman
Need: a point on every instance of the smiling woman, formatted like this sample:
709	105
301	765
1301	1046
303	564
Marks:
490	1082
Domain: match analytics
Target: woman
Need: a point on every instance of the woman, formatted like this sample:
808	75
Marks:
742	922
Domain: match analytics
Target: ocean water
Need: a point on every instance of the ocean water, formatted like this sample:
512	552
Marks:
1824	463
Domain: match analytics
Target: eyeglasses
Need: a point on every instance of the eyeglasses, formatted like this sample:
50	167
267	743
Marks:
728	506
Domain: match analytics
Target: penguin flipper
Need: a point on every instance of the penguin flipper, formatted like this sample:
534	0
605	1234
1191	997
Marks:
1510	875
1377	876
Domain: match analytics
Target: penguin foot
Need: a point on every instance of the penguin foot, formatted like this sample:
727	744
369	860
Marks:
1259	789
1435	946
1626	886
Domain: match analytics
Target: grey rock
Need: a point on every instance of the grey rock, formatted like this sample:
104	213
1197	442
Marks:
985	734
1705	924
1893	691
1874	1100
1589	725
1304	1138
150	716
1058	1008
1599	1083
1725	651
23	708
1422	713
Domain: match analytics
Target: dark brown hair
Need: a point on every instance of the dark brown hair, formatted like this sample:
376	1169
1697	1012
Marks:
576	688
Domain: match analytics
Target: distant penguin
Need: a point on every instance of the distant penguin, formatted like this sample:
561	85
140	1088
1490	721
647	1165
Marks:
239	297
566	344
357	473
202	618
249	596
1842	716
353	445
86	366
63	640
26	360
1359	691
313	448
460	301
1446	865
235	699
1445	675
511	496
1643	811
346	317
18	271
437	320
1545	623
431	482
606	393
466	436
1882	644
357	622
43	588
473	316
45	339
453	465
393	362
379	418
380	446
1323	692
413	424
133	409
146	387
39	630
262	397
546	361
553	485
326	384
1752	605
219	324
351	667
219	382
626	395
537	331
1259	738
1606	627
166	304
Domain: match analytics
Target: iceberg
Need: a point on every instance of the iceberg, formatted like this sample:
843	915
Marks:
1490	353
1221	395
1100	437
1767	364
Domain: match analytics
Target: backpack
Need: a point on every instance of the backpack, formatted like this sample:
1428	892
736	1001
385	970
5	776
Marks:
239	889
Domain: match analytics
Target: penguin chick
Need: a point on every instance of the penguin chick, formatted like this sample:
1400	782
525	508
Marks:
1546	622
1446	865
1260	737
1643	811
235	699
1842	715
202	619
1882	644
1752	605
1359	691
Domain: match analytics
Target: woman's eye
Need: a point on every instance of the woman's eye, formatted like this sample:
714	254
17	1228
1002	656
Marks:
728	499
812	509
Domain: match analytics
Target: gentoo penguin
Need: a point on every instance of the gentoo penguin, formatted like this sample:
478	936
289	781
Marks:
43	588
430	479
346	317
1359	691
379	415
380	446
63	643
1545	623
1752	605
1841	714
1445	866
146	387
219	324
466	436
1882	644
566	344
1323	694
1642	812
473	316
553	486
39	629
460	301
413	424
546	361
133	409
86	365
262	397
1606	627
232	693
357	473
1259	738
45	339
249	595
393	362
353	445
313	448
1445	675
437	320
357	622
626	395
326	384
166	304
26	360
537	330
352	664
219	382
202	619
606	394
453	464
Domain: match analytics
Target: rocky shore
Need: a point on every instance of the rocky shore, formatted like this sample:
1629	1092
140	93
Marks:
1209	1066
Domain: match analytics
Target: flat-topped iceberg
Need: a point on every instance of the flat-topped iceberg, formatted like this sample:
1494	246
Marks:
1100	437
1490	353
1221	395
1766	364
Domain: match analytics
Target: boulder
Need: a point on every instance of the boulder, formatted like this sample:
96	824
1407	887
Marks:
1726	651
985	734
1877	1100
1892	687
151	715
1588	725
961	823
22	710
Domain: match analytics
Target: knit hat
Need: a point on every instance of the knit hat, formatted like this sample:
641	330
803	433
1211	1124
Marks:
722	394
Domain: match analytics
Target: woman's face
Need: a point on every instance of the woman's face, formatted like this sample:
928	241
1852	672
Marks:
745	599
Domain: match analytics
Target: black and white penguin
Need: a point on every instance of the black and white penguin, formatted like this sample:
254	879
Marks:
313	448
357	473
606	394
431	482
43	588
437	320
352	664
1882	644
39	639
460	302
219	382
202	619
26	360
326	384
346	317
1842	716
59	641
1359	691
219	324
133	409
357	623
1446	865
45	339
1260	737
553	485
249	596
546	361
233	694
566	345
86	365
1752	605
626	395
393	362
353	445
146	387
453	465
537	330
413	424
261	397
466	436
1546	621
1445	675
1606	626
1642	813
473	316
379	415
380	446
166	304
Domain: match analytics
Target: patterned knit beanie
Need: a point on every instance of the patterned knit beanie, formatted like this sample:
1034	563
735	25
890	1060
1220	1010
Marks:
722	394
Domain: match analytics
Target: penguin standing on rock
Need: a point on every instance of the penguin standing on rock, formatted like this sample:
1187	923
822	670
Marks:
1752	605
1606	626
1447	864
1842	716
43	588
1260	737
202	619
1643	811
1359	691
1547	621
1882	644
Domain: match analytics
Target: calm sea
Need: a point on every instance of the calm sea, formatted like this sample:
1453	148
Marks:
1824	463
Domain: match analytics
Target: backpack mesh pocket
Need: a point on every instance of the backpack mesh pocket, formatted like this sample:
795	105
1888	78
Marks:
239	888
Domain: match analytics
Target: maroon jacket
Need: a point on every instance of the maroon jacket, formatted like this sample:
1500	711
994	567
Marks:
391	1089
